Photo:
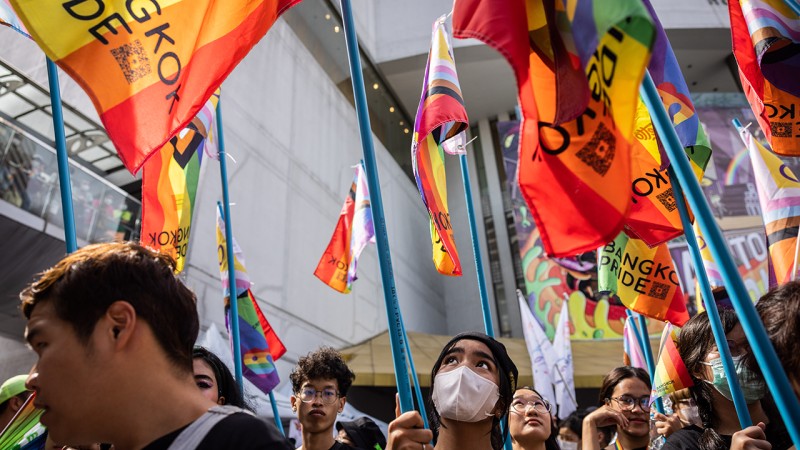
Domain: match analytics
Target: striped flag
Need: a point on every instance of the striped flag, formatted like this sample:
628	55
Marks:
24	430
634	354
564	379
644	278
779	195
440	116
259	344
169	186
354	230
540	350
9	18
671	373
148	67
766	44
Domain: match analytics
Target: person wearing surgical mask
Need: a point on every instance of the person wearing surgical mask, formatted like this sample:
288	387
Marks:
472	387
717	413
684	413
529	422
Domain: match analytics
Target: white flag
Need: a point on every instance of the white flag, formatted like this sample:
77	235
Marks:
564	376
540	350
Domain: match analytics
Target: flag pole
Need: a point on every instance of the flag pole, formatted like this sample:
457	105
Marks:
417	388
711	307
644	341
763	351
396	338
70	236
794	6
476	248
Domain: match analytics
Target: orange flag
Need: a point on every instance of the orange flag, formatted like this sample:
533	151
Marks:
148	66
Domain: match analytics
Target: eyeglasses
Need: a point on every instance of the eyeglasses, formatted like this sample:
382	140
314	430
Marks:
628	403
328	396
521	406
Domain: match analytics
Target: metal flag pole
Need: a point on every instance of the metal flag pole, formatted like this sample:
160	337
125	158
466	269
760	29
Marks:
417	387
396	338
711	307
476	248
70	236
763	351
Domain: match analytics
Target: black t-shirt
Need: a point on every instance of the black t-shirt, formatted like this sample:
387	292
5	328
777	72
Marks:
688	437
238	431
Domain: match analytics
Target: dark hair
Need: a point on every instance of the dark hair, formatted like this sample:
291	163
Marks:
694	343
364	433
550	443
325	363
779	310
508	375
574	422
226	384
616	376
85	283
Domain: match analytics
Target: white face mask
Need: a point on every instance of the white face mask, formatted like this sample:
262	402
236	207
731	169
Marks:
567	445
464	396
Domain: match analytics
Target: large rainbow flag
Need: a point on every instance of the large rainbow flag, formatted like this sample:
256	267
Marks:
574	148
259	344
633	354
779	195
440	116
169	185
644	278
354	230
148	67
671	373
766	44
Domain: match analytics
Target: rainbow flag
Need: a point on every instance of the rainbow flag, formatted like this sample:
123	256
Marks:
574	149
440	116
9	18
779	195
668	78
169	185
644	278
765	35
149	67
671	373
24	431
634	354
354	230
259	344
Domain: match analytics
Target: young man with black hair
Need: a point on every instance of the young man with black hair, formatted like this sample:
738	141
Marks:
320	383
113	329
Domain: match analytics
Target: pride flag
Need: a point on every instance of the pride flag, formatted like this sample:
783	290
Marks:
633	352
259	344
574	148
644	278
779	195
354	230
766	35
541	352
440	116
9	18
150	66
169	185
24	431
671	373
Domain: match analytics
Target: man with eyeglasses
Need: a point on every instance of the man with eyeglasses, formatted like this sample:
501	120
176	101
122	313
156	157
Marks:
625	398
320	383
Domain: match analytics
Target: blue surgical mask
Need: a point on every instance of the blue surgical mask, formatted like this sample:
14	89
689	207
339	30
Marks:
753	387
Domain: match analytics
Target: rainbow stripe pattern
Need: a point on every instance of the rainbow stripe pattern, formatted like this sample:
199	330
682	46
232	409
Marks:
634	354
671	373
148	66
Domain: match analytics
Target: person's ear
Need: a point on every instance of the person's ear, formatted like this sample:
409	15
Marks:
121	321
221	400
342	401
293	401
15	403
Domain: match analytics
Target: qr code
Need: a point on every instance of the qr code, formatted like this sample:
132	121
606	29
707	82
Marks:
132	60
599	152
781	129
659	290
667	198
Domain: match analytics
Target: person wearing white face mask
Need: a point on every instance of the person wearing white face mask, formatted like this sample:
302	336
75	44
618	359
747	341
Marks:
530	424
472	386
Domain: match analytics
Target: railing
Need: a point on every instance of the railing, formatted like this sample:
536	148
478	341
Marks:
29	180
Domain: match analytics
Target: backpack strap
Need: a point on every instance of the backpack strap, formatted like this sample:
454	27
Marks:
194	434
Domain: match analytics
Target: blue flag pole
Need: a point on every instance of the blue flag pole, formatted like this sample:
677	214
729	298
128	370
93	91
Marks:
794	6
417	388
644	340
774	375
473	231
711	307
396	338
70	236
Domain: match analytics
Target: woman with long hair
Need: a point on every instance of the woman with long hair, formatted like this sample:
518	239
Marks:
625	399
215	380
530	424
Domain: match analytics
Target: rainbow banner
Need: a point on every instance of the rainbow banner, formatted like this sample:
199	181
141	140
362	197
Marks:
633	352
354	230
644	278
169	186
668	78
256	334
24	431
440	116
9	18
149	67
779	195
671	373
568	161
765	35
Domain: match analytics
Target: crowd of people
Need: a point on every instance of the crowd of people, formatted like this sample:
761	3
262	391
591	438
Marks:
114	333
